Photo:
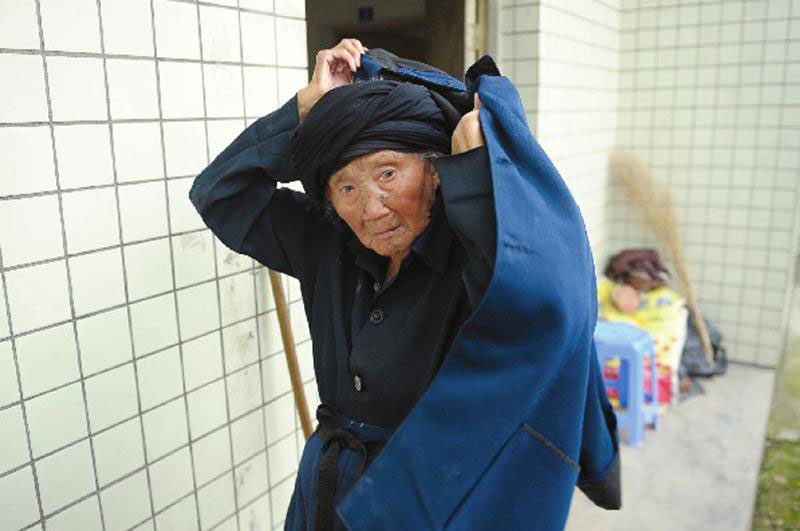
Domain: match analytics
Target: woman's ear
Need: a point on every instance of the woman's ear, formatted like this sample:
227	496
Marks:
432	173
430	170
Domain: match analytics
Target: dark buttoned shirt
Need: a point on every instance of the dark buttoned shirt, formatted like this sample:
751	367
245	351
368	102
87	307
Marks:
377	343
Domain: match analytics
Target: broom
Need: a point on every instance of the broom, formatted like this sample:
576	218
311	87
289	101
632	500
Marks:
656	204
291	354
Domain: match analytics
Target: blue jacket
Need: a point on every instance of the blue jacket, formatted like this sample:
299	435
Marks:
517	415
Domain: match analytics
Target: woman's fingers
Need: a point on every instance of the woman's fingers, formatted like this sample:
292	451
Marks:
334	67
476	102
468	134
354	48
343	54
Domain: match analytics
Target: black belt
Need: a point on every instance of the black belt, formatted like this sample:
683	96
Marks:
334	437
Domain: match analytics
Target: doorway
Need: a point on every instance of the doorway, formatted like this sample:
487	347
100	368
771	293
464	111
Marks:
448	34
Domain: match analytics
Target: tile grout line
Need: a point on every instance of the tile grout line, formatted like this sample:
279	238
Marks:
226	118
155	352
231	8
263	407
119	423
8	302
119	306
223	354
45	193
274	303
128	475
736	126
130	57
23	410
786	310
68	269
216	277
173	277
690	153
126	288
757	135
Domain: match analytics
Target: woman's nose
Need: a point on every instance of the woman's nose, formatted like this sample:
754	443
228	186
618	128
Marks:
375	206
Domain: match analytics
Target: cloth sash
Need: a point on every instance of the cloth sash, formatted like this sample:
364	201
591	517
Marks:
335	437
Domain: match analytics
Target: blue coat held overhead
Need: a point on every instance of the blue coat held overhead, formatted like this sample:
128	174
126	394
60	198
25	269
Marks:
517	415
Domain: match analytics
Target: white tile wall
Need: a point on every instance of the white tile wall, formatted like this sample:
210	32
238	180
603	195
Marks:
105	340
707	98
97	281
705	94
77	90
143	209
70	26
182	515
25	100
18	503
84	515
181	90
84	155
56	419
212	455
132	88
111	397
153	324
30	230
563	58
25	171
90	219
159	377
126	503
202	360
148	268
18	27
9	388
166	428
127	27
37	296
171	478
184	148
47	359
137	151
75	463
118	451
15	446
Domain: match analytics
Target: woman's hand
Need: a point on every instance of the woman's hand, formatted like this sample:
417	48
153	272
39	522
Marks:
334	68
468	134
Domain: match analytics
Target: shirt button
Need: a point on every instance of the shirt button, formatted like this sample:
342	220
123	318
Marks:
376	286
376	316
357	382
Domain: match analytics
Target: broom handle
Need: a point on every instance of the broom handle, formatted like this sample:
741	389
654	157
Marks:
699	323
291	354
638	182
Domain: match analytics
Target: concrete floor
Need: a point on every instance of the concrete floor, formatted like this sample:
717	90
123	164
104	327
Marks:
699	471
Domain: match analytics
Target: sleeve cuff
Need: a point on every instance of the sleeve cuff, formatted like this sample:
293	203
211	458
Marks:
465	174
605	491
284	118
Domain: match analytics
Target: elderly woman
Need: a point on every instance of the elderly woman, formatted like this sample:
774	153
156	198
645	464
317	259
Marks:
394	243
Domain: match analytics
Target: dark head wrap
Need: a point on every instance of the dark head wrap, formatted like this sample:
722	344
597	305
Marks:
359	118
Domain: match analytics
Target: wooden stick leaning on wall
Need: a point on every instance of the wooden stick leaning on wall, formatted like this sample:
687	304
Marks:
655	202
282	309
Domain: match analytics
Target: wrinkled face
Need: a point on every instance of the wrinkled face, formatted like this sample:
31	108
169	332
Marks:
385	197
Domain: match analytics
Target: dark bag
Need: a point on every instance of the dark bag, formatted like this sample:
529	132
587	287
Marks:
693	359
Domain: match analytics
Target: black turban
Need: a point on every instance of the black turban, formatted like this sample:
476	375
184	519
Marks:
353	120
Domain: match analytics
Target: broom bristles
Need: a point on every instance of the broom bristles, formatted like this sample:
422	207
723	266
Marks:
655	202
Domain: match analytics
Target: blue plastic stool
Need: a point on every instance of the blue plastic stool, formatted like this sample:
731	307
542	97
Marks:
631	345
